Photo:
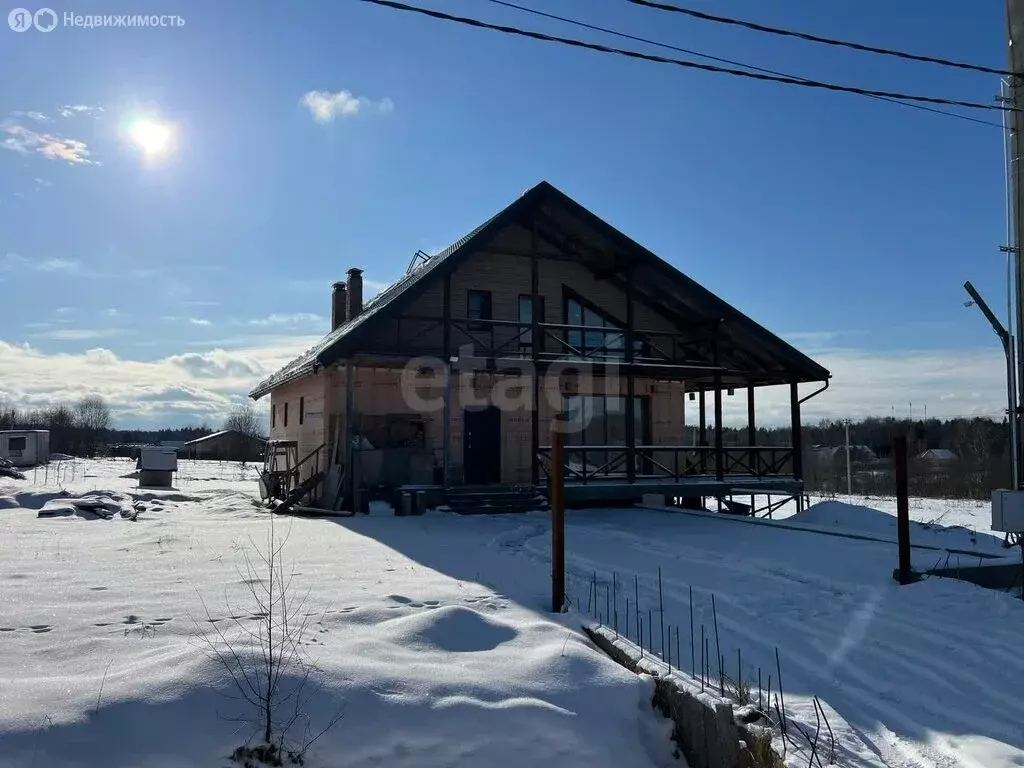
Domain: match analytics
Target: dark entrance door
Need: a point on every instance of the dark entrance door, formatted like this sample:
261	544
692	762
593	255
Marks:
481	445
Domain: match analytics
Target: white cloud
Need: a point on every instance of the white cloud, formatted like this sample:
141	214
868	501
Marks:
326	105
79	334
73	110
292	319
39	117
949	382
14	261
204	383
26	141
64	310
200	321
58	265
179	389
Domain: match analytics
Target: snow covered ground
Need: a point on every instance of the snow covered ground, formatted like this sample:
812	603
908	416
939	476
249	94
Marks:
101	664
433	634
973	515
79	475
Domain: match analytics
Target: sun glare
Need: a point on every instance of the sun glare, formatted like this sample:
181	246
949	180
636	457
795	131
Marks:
152	137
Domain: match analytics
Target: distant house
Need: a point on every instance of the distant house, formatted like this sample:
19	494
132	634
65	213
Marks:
938	456
859	454
822	455
227	445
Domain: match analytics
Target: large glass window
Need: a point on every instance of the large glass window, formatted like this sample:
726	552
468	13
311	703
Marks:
600	421
589	341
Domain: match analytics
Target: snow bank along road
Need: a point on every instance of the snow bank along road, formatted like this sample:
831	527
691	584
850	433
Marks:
433	636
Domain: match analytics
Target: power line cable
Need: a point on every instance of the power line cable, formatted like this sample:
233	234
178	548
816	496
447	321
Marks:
679	62
669	46
817	39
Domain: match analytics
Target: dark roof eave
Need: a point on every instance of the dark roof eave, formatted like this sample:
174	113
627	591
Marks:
271	383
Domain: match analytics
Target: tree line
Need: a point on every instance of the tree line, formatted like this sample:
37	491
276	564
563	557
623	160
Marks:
85	428
980	445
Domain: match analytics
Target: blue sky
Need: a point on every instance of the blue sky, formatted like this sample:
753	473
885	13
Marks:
170	284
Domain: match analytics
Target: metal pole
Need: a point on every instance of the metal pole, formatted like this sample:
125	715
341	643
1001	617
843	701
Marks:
849	473
557	499
447	436
899	454
752	433
702	432
630	382
1007	341
535	342
1012	416
350	431
1015	26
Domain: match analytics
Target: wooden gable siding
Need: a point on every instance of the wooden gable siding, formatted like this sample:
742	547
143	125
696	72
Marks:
506	277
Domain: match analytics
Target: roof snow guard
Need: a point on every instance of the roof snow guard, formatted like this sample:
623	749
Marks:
653	279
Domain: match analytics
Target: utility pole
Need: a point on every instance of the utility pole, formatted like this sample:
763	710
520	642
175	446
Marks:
1015	30
849	474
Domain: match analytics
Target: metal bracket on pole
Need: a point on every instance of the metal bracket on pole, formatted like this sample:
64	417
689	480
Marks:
1012	414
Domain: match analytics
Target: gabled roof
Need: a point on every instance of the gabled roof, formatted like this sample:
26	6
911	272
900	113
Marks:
222	433
655	281
938	454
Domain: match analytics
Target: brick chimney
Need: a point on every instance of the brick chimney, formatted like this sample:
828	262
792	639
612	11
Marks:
355	292
339	305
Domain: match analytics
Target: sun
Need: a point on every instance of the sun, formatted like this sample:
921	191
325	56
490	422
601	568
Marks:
151	136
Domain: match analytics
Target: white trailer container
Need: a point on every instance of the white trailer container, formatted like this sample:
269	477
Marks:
25	447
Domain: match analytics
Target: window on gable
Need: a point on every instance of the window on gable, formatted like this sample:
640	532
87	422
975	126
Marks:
273	415
286	414
590	337
302	409
478	308
525	333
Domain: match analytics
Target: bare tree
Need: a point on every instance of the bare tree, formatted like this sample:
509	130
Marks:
92	419
266	661
244	419
93	413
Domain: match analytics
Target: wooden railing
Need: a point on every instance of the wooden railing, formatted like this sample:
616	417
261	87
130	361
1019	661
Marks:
602	463
414	334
